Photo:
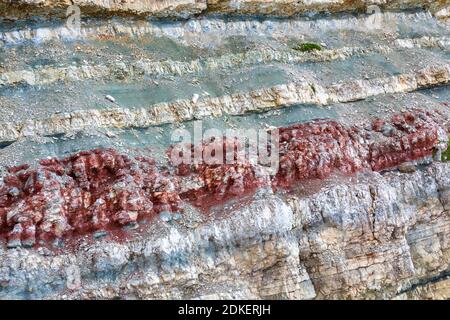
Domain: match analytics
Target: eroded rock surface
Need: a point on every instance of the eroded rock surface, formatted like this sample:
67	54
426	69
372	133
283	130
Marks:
93	206
380	238
186	8
86	192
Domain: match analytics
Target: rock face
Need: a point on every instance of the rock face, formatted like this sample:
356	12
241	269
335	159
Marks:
86	192
98	198
160	9
350	241
94	190
186	8
383	238
237	104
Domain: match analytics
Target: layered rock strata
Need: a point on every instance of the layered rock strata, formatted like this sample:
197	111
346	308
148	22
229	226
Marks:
147	68
357	209
186	8
383	236
236	104
99	189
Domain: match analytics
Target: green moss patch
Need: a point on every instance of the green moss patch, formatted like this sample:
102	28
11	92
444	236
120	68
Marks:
308	47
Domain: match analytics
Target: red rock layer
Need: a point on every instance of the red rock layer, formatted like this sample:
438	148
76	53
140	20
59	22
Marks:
218	180
410	136
100	189
88	191
314	150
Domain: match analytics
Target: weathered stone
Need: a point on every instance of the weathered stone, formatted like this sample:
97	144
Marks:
93	216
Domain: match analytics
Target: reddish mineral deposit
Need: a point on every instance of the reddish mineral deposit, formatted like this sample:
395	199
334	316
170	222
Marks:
409	136
314	150
101	189
88	191
222	177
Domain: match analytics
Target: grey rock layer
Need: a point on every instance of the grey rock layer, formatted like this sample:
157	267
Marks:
186	8
235	104
378	236
147	67
196	30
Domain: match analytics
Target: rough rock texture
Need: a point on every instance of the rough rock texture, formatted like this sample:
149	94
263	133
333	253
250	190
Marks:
160	9
315	150
218	176
94	190
147	67
186	8
236	104
86	192
382	237
292	7
90	206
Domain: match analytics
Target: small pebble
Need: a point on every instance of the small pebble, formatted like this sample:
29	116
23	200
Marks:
165	216
110	98
387	131
29	243
195	98
407	168
59	243
130	226
44	251
100	234
13	244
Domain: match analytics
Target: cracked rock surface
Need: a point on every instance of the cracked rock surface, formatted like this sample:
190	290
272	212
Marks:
92	207
379	238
